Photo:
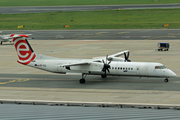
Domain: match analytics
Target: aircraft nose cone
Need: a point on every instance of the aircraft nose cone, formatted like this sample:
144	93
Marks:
172	74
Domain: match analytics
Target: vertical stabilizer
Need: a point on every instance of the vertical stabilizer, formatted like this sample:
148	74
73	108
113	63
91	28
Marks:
23	49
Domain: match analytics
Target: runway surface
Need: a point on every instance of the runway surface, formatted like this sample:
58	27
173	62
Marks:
101	34
67	88
92	82
37	9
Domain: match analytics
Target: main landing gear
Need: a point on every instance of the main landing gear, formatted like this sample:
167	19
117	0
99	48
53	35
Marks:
166	80
82	80
103	76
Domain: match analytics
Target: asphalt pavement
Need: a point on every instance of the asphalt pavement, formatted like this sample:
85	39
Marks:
92	82
101	34
38	9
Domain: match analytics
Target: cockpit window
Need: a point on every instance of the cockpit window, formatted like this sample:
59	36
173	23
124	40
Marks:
163	67
157	67
160	67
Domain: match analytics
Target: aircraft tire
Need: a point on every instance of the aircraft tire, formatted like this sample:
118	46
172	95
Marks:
1	42
166	80
82	81
103	76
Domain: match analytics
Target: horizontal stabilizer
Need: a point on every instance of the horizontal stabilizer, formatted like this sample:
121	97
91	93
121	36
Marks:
18	35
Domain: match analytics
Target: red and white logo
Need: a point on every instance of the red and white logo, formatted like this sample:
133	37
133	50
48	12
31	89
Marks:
24	52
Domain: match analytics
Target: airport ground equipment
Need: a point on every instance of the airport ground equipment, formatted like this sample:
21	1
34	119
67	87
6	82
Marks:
163	46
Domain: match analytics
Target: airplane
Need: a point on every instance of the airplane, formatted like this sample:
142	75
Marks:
8	38
5	38
103	66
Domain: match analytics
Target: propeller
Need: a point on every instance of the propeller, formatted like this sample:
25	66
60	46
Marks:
126	57
106	66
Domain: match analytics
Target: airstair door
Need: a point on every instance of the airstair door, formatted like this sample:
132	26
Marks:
137	70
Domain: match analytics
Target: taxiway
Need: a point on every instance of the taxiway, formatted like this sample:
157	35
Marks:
101	34
38	9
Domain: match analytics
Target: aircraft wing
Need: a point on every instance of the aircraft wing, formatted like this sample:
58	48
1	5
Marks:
75	64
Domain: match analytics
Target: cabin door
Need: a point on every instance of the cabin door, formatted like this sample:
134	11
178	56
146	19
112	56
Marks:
137	70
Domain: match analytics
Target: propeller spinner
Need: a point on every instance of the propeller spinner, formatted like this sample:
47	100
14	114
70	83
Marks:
106	66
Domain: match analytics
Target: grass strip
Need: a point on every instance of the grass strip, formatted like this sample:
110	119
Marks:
80	2
108	19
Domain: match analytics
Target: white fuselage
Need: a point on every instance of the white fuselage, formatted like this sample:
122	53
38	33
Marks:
5	38
140	69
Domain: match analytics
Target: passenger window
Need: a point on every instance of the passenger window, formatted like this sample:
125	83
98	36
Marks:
112	67
123	68
131	68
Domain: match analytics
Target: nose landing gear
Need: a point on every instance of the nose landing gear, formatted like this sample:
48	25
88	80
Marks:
166	80
82	80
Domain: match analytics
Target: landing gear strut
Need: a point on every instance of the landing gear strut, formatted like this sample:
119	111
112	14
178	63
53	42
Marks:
1	42
82	80
166	80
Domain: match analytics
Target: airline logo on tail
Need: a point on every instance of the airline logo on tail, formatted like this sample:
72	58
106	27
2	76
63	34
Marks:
23	49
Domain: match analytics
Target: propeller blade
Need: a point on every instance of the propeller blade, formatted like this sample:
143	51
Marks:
128	57
103	69
103	61
106	66
105	72
108	70
125	56
106	58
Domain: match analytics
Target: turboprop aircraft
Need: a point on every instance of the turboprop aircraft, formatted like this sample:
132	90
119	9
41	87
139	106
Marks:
103	66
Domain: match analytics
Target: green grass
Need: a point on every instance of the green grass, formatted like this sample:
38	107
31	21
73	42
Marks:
109	19
80	2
